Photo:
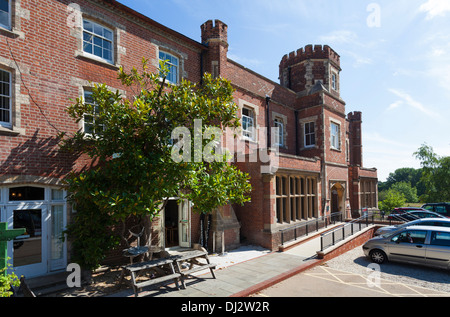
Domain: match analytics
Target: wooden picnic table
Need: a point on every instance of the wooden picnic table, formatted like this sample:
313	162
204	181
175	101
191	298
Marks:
135	269
169	263
192	258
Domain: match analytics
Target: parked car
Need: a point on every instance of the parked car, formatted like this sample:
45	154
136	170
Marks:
425	245
440	222
414	215
440	208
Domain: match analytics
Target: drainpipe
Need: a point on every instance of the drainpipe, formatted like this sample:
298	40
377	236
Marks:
268	122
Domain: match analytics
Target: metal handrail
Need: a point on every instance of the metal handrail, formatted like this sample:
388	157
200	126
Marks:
363	219
314	223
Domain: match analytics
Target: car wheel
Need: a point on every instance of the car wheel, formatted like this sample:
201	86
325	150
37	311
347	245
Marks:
378	256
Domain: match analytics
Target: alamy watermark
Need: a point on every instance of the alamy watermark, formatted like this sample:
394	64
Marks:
225	146
74	278
374	18
374	275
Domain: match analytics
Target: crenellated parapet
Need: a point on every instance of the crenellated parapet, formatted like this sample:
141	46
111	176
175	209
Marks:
310	52
302	69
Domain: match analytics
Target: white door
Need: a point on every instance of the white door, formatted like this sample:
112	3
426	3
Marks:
29	252
184	228
57	247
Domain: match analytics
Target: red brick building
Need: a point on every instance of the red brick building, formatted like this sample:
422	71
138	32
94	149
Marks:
52	51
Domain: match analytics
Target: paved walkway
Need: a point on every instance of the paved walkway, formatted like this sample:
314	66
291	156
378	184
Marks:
258	275
241	279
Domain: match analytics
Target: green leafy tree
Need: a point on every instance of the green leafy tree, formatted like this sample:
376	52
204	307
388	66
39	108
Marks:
435	175
407	190
138	164
392	199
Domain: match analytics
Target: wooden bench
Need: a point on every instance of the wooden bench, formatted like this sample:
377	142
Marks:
136	268
192	258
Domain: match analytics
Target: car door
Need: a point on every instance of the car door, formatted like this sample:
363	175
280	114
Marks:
408	246
438	251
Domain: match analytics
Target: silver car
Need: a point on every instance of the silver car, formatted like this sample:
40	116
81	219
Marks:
426	245
441	222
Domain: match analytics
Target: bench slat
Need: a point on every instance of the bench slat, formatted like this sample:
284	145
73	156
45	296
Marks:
199	268
157	280
147	265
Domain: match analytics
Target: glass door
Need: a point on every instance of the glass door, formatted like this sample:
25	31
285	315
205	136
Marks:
184	228
28	251
57	245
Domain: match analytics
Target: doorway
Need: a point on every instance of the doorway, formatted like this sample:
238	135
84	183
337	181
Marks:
337	198
177	223
42	213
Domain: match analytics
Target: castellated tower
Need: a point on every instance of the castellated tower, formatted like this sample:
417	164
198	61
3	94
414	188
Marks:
215	36
302	69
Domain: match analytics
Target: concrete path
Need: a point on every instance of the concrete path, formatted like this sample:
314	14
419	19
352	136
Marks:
241	279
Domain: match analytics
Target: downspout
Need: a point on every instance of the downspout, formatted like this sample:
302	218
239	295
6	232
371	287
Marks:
268	122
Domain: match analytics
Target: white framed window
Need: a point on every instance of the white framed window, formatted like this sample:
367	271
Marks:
89	119
5	99
5	14
279	132
173	63
310	134
98	40
248	124
335	136
334	81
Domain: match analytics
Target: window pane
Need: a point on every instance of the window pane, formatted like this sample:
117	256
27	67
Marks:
98	29
28	247
87	25
107	54
98	41
4	18
98	51
4	5
108	34
26	193
57	194
57	245
87	47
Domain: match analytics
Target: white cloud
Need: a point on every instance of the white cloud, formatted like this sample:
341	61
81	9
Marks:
406	99
339	37
435	8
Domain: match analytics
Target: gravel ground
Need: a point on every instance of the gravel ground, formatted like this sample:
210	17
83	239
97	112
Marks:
355	261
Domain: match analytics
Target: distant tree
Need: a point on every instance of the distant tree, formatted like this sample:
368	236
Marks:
407	190
393	199
435	175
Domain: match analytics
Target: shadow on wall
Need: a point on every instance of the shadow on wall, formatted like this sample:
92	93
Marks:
38	157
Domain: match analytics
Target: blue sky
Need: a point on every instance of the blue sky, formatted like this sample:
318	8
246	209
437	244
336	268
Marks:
395	59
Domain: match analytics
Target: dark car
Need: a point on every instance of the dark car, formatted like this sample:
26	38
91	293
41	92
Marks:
414	215
402	210
440	208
